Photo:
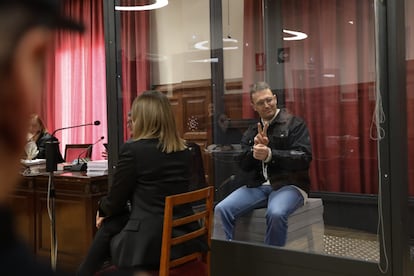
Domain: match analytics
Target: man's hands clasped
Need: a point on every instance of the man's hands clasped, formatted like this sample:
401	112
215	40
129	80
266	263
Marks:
260	149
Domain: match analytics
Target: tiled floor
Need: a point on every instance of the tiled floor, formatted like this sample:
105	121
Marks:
350	243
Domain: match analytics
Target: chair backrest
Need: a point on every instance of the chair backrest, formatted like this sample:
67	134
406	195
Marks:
202	214
75	151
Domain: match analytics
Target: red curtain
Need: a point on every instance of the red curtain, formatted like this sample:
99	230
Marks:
331	75
134	52
76	81
253	51
75	91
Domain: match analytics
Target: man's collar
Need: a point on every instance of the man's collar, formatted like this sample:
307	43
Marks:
271	120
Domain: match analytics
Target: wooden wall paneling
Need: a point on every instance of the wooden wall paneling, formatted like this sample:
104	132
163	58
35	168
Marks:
191	103
76	203
198	127
70	225
195	117
233	105
178	113
233	99
23	204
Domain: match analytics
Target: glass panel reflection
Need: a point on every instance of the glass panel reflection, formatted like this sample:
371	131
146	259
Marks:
409	22
325	71
159	50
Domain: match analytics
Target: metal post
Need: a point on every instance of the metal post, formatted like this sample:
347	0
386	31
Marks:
52	149
52	217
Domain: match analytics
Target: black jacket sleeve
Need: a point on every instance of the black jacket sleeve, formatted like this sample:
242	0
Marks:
123	185
41	146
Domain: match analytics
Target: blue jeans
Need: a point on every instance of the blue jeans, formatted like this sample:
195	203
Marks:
280	204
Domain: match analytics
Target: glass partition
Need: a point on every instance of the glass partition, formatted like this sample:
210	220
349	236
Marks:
319	58
409	22
158	51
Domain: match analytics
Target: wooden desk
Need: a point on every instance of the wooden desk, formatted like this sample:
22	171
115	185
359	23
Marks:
77	197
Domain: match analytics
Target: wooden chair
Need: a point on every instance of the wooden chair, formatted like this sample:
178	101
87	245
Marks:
197	263
75	151
193	263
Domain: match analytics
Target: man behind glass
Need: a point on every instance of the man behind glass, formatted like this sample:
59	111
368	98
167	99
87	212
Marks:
274	168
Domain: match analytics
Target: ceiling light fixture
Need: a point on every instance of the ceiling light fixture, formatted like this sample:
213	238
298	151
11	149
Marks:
157	5
202	45
210	60
295	35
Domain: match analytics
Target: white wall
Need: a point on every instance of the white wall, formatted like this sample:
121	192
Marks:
174	31
233	59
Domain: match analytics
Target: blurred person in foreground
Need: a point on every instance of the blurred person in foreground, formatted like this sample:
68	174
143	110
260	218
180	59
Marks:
26	33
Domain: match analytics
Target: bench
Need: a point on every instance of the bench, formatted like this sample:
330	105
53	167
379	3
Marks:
305	227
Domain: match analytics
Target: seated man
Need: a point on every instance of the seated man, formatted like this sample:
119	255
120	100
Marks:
274	168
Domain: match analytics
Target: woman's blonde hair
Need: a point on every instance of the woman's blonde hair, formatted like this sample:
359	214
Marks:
152	117
36	117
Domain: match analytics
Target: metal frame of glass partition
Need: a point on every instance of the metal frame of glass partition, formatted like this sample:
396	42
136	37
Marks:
394	71
112	86
238	258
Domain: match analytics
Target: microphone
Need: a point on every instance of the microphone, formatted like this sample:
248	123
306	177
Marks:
82	166
53	156
96	123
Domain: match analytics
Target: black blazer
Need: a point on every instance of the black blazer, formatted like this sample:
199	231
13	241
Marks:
41	141
145	176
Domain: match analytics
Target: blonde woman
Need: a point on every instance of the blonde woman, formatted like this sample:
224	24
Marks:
153	164
39	135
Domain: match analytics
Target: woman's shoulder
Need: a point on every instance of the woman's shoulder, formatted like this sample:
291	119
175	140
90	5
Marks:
46	136
141	144
150	145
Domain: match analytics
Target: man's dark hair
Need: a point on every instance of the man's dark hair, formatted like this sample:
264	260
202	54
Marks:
258	86
44	12
17	17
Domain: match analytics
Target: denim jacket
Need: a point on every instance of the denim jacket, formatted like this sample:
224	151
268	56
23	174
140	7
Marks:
290	144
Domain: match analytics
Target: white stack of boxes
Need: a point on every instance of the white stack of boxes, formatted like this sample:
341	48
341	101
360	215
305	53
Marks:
305	227
97	168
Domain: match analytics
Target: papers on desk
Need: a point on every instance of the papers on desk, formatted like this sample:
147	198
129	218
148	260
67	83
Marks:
32	167
65	166
97	167
33	162
31	150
